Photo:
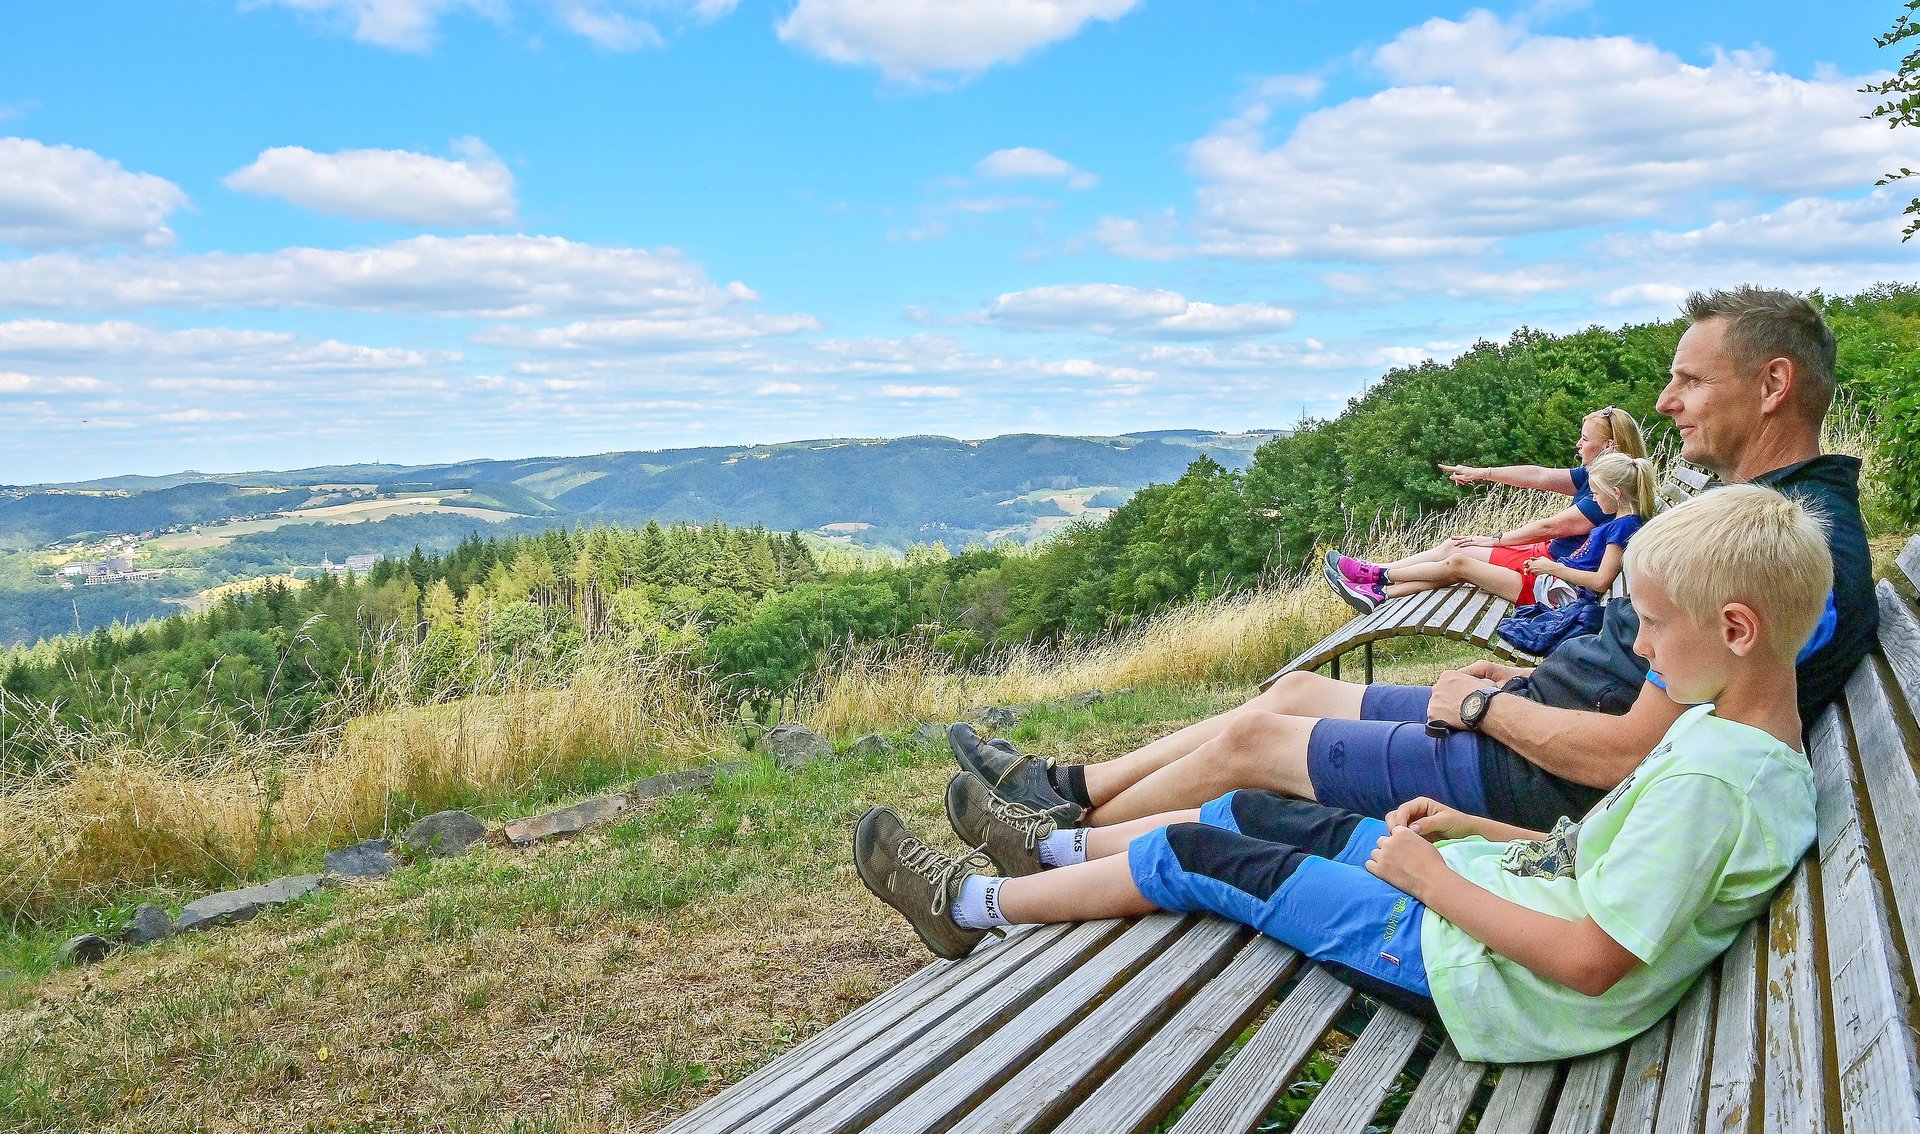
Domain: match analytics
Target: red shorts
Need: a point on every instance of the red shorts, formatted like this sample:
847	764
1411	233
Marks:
1514	559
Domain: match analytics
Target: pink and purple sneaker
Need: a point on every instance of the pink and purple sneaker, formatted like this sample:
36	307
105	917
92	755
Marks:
1363	597
1355	570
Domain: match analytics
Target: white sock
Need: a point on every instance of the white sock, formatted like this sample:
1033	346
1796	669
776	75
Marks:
1064	848
978	906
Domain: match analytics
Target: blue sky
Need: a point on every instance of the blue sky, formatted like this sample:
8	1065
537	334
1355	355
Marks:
267	233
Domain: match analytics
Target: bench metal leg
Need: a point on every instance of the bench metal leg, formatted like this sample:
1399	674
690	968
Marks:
1369	663
1336	667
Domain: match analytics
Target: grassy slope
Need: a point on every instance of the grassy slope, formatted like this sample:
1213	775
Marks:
608	983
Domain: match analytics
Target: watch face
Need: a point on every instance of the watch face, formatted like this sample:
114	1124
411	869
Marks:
1474	707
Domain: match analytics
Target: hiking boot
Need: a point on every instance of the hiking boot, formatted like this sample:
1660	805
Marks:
1355	570
1363	597
1013	775
915	879
1009	833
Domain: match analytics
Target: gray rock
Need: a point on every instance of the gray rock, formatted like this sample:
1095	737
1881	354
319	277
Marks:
794	745
369	859
999	716
872	744
443	834
929	733
245	904
566	821
85	950
1086	700
148	924
673	783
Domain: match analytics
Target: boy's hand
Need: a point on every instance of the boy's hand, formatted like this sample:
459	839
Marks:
1448	692
1431	819
1407	862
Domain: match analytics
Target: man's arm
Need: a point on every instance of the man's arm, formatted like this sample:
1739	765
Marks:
1596	749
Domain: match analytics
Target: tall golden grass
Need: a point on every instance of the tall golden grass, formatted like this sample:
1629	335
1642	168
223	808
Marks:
114	815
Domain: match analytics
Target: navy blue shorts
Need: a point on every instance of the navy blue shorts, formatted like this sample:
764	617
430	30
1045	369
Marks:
1377	763
1296	871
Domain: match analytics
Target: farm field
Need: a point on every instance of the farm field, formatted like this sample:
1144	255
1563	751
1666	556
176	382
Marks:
353	512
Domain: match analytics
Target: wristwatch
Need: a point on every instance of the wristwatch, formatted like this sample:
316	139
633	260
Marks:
1473	707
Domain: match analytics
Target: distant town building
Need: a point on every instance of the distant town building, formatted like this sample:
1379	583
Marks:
358	565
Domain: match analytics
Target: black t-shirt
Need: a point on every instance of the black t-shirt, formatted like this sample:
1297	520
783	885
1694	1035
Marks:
1600	672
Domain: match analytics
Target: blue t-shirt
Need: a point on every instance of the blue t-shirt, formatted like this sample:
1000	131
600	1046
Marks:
1618	530
1563	546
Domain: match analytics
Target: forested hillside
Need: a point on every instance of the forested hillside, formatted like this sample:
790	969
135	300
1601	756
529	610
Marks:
757	611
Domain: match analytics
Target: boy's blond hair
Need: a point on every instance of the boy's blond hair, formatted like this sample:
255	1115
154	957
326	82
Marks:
1744	544
1631	477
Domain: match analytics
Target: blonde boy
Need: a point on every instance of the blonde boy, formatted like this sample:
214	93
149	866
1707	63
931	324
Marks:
1527	944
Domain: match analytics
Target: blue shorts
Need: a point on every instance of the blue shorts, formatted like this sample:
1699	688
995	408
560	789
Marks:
1380	761
1295	871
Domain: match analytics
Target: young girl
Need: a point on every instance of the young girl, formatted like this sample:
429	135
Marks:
1607	430
1621	485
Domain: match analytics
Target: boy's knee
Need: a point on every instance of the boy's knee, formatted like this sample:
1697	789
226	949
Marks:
1293	693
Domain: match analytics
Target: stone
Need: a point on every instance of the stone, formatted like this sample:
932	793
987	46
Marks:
369	859
566	821
1086	700
148	924
444	834
85	950
927	732
872	744
794	745
686	779
999	716
244	904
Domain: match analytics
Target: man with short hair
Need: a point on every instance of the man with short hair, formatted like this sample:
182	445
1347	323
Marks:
1751	382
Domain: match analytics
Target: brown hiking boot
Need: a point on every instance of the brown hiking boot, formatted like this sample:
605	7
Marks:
915	879
1012	774
1009	833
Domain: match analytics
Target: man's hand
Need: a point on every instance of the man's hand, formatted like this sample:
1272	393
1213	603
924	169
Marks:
1493	671
1432	820
1448	692
1408	862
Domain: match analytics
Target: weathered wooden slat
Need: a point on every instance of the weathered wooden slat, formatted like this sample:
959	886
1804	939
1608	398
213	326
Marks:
1444	611
1040	1093
1795	1076
1683	1091
1150	1082
1909	560
1366	1073
1689	476
1894	794
1519	1098
1900	643
1463	618
970	1072
1879	1083
1263	1068
1734	1078
1489	623
875	1017
1443	1096
1586	1097
1639	1098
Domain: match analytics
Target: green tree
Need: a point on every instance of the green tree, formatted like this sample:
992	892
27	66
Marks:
1902	94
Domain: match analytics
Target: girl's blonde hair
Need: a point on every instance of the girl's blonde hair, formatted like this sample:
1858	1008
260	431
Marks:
1622	430
1631	478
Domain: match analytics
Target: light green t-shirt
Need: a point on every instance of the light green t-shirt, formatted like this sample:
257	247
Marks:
1670	864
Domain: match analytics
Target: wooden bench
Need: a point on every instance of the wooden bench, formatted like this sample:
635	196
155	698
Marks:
1463	612
1807	1023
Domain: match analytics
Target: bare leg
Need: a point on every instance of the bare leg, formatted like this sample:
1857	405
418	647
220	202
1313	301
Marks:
1103	841
1096	888
1255	750
1296	694
1457	569
1438	552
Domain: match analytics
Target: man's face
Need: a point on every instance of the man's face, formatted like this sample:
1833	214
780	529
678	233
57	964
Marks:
1713	403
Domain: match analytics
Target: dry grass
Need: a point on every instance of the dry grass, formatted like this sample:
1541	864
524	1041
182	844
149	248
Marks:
116	815
1233	638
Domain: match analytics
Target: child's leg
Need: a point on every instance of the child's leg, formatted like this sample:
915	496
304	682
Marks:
1434	554
1097	888
1489	577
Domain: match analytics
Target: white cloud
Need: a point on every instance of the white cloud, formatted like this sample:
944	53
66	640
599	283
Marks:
1487	132
135	348
913	40
629	334
14	382
63	195
403	25
519	277
769	388
475	188
1116	309
1026	162
892	390
413	25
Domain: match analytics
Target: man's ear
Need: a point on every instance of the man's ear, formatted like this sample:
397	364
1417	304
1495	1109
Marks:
1777	380
1739	628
